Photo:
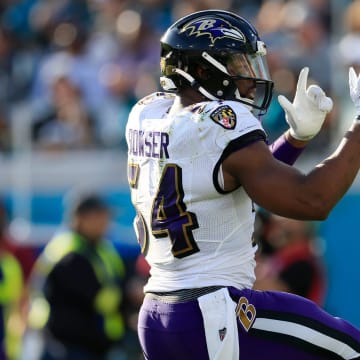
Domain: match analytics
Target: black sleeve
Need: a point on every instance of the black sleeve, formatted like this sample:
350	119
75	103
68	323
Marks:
70	289
73	278
235	145
299	277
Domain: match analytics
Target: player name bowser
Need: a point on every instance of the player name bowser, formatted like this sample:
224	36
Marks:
151	144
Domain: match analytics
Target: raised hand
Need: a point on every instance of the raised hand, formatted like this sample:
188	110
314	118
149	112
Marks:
354	86
307	113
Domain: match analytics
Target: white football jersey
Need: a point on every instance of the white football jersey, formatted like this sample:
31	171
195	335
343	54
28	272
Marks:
192	234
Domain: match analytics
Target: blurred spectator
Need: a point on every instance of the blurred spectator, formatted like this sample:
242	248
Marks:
311	47
24	253
288	259
11	293
137	59
270	23
296	33
16	69
11	289
110	49
16	262
68	124
70	61
310	40
76	290
74	54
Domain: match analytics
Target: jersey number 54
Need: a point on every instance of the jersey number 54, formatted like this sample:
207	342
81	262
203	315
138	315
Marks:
169	216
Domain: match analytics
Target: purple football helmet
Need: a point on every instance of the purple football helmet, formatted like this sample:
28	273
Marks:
227	47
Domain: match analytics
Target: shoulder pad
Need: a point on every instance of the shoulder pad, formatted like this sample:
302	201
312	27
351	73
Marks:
154	97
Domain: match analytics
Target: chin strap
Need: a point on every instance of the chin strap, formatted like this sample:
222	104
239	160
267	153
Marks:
195	85
169	85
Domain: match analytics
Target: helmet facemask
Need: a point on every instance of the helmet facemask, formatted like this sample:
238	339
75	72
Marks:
241	77
235	76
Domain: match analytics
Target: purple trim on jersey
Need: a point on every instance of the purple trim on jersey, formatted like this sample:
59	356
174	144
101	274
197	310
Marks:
235	145
175	331
284	151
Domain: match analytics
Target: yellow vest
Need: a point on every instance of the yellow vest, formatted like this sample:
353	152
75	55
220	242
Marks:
109	269
11	287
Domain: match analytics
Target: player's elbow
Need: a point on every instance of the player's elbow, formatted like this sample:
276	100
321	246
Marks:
318	208
323	215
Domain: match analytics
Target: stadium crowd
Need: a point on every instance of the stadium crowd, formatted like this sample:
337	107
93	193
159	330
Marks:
78	66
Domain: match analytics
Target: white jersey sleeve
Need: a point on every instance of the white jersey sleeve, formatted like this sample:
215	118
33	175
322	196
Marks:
191	233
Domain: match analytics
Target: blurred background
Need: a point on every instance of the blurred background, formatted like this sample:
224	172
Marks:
70	70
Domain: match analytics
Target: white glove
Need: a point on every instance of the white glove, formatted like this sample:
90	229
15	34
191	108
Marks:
306	114
354	85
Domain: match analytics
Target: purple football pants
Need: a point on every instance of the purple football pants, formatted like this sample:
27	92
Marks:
271	325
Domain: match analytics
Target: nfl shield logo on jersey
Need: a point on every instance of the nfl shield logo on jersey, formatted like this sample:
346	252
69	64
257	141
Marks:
222	333
224	116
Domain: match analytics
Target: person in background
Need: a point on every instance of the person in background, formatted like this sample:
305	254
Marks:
69	124
11	290
288	259
24	253
76	289
16	261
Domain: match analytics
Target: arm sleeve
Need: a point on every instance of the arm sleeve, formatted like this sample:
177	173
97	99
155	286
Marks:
73	277
283	151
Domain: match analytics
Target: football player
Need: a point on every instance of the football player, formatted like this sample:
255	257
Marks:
197	161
